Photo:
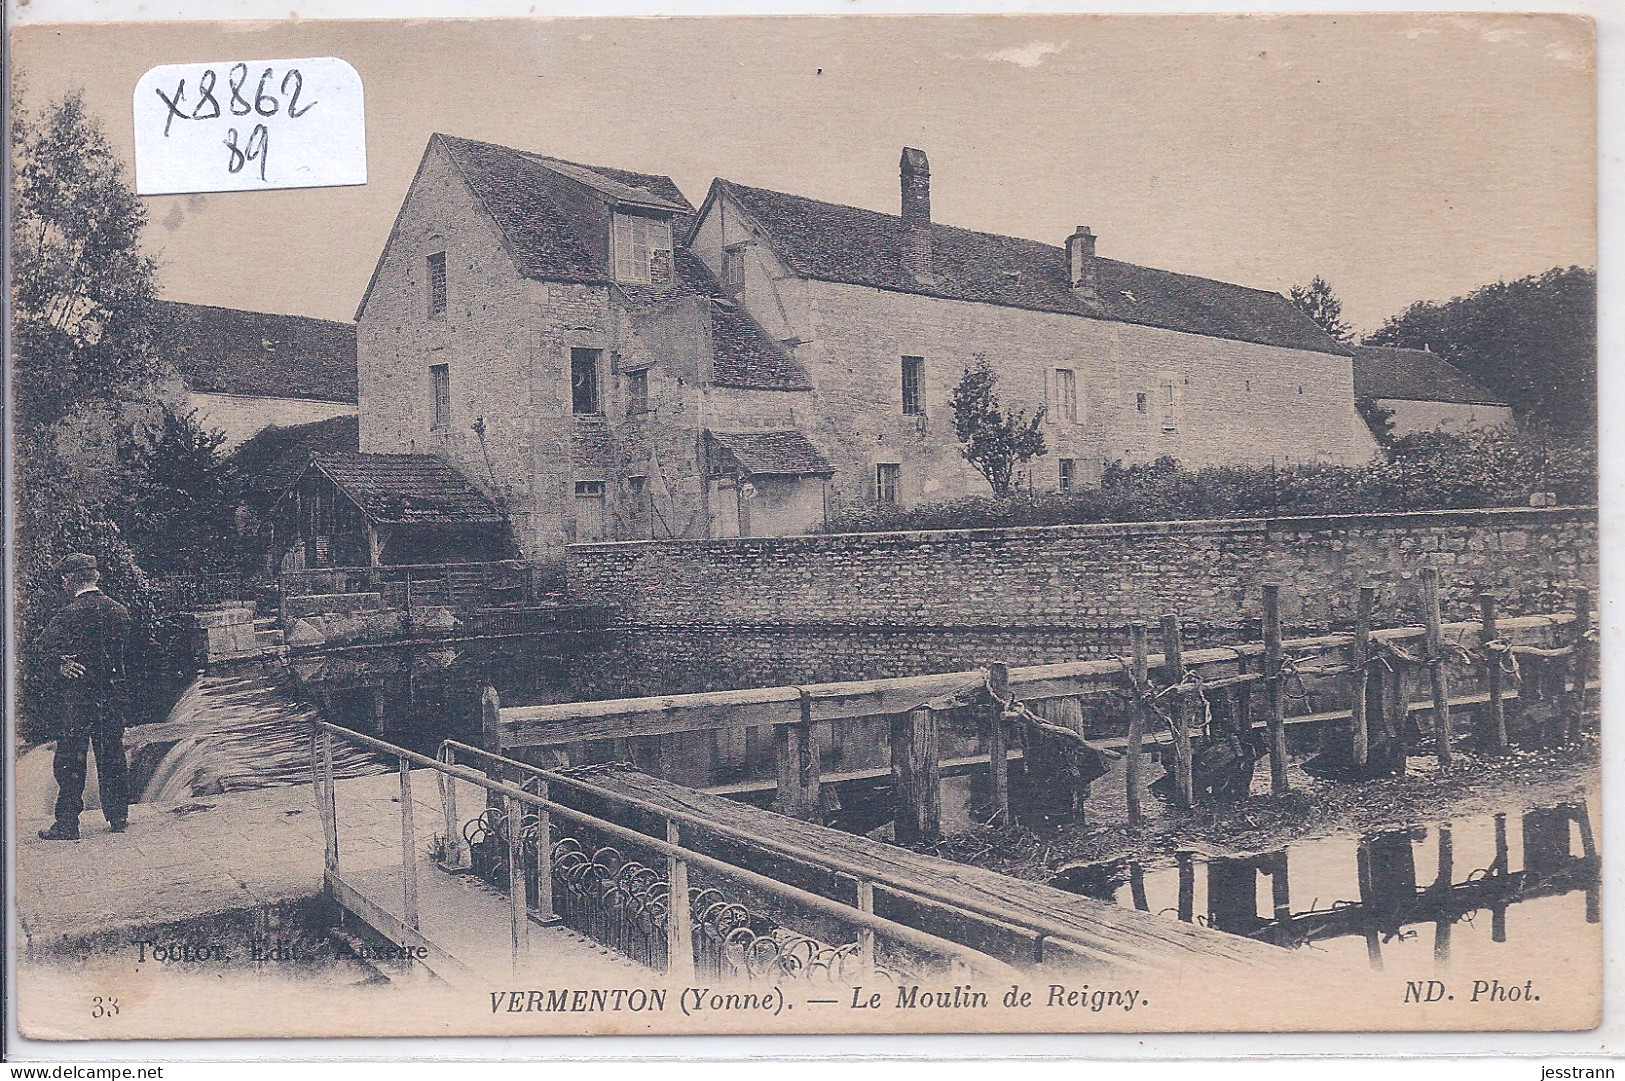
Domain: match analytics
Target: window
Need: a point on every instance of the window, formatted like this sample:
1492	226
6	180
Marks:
886	482
638	244
1140	402
1066	395
1168	402
589	511
635	485
437	285
913	386
440	395
584	380
733	270
637	392
1069	471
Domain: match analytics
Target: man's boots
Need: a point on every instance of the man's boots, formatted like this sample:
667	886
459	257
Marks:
60	831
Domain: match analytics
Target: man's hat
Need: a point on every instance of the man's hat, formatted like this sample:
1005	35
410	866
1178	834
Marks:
77	563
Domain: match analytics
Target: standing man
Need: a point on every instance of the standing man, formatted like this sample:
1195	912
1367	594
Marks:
89	642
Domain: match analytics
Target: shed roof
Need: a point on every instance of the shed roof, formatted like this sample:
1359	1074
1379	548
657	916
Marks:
784	453
1415	375
259	354
272	459
831	242
408	489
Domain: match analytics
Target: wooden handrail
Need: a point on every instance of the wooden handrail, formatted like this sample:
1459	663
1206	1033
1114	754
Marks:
622	718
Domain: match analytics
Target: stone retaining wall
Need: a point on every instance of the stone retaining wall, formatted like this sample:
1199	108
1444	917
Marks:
1093	578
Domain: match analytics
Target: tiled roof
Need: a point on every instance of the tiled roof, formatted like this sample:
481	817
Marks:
545	238
1415	375
230	351
776	453
745	355
829	242
408	489
272	459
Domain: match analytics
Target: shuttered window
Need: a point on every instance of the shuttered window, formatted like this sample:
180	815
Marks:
440	396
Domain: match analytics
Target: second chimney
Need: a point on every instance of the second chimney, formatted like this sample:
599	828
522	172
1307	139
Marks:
915	175
1081	267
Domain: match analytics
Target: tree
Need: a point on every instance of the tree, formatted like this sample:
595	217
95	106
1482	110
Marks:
179	515
1318	302
1533	341
1378	418
993	440
82	290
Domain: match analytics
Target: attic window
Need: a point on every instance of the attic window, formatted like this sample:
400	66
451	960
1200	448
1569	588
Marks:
733	270
642	250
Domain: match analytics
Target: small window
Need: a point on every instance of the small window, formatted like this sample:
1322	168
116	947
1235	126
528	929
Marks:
733	270
642	249
913	386
584	380
637	392
887	477
1141	402
440	396
1066	395
636	485
437	285
1069	472
590	489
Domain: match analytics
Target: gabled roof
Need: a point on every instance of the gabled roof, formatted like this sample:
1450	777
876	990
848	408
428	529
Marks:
231	351
272	459
850	245
408	489
1415	375
785	453
745	355
541	231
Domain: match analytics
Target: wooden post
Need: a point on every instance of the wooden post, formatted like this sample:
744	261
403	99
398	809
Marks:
330	810
796	746
1187	886
490	720
518	927
409	848
1280	887
452	853
543	912
1487	633
1136	729
916	776
998	756
1359	657
866	935
1173	672
1446	879
1580	661
679	914
1438	682
1275	689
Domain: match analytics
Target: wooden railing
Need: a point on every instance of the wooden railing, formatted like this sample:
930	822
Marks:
1556	650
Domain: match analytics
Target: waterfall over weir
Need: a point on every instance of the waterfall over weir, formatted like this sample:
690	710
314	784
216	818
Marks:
231	731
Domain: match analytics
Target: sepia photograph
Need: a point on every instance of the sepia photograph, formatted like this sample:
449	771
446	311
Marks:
805	524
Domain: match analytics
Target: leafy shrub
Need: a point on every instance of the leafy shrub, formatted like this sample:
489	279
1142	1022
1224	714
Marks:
1425	471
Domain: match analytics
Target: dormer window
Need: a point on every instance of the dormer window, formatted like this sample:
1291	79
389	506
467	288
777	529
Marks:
642	250
733	270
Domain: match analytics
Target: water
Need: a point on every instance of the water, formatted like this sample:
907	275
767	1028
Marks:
1520	886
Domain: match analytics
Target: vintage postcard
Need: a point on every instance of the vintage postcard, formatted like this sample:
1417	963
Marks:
671	525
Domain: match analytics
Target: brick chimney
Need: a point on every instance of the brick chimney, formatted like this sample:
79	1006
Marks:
1080	261
915	175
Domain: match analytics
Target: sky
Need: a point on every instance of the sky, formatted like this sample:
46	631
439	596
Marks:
1401	157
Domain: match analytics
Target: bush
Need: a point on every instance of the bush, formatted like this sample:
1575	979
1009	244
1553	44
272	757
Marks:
1426	471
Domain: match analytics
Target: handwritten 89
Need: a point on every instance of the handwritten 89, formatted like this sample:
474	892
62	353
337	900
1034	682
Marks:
269	98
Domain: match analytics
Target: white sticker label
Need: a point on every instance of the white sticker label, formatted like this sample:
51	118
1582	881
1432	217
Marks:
249	125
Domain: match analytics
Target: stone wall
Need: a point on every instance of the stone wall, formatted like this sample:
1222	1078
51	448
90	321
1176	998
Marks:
1076	588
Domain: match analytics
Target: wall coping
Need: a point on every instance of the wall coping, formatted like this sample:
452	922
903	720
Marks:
1506	516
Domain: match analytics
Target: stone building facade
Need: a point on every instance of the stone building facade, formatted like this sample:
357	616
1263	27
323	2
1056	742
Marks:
609	363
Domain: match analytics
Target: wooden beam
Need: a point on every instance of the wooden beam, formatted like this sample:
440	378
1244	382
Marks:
1136	729
796	746
1275	689
992	724
916	777
1360	678
1487	632
1438	680
1173	673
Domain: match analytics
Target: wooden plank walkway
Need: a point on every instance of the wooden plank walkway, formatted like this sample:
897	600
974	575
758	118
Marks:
1057	924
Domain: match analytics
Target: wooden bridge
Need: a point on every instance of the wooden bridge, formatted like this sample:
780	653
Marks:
532	866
